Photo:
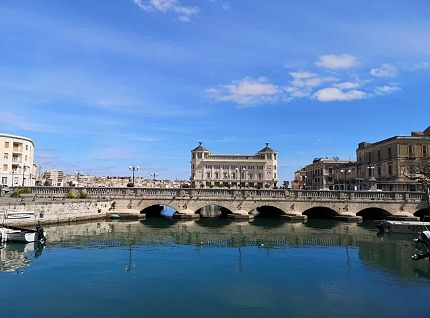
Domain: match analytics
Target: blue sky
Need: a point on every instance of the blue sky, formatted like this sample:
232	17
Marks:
103	85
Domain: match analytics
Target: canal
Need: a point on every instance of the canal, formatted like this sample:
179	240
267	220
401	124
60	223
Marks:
162	267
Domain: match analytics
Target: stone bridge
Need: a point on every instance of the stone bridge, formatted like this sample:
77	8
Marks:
243	202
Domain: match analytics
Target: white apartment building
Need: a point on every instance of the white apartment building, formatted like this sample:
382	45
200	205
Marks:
258	170
53	178
17	154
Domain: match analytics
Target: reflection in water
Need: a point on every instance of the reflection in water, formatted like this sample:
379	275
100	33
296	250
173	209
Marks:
387	252
14	256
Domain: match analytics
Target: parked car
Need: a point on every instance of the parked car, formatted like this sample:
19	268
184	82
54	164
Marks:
5	188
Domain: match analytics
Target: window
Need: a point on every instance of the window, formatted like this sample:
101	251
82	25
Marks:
6	144
260	176
379	171
269	156
411	149
274	156
4	167
208	175
389	153
194	156
4	180
225	175
330	171
217	166
208	166
379	155
216	175
233	167
251	167
199	156
390	170
225	167
242	167
251	176
260	167
26	147
425	151
6	155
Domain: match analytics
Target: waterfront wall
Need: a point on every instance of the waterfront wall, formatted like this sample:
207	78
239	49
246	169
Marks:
51	212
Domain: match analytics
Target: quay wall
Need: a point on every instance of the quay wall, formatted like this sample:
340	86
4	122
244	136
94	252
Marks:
51	212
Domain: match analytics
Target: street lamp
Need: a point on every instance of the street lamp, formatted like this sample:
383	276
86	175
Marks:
345	173
23	168
154	175
371	173
13	172
78	174
240	171
133	168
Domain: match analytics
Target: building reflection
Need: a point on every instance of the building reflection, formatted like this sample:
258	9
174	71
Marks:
15	256
387	252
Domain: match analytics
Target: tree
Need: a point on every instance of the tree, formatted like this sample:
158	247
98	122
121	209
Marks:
419	170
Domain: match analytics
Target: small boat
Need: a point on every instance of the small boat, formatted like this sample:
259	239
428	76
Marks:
388	226
422	242
19	234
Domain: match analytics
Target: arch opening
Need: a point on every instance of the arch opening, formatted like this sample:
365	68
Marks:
213	211
159	210
373	214
423	213
320	213
268	212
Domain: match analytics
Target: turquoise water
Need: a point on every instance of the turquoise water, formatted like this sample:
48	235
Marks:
215	268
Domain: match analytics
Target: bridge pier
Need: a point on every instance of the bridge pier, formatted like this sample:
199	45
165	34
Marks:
186	214
349	217
403	216
240	215
294	217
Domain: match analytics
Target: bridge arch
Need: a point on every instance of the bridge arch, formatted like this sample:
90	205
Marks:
421	213
374	213
321	212
268	211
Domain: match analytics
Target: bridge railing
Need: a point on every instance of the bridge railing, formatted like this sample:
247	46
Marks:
230	193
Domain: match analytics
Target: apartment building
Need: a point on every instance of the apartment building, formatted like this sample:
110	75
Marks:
329	174
53	178
259	170
17	167
385	160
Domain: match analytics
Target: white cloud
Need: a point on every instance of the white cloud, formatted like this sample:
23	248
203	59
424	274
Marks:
414	67
337	61
246	91
386	89
226	6
347	85
167	6
335	94
304	82
386	70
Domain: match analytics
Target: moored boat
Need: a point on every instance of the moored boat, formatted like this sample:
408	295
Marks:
389	226
20	234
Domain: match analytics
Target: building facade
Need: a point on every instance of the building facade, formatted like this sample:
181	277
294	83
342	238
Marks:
385	160
53	178
258	170
329	174
17	165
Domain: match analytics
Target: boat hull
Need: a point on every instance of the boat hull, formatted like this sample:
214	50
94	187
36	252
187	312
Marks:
402	226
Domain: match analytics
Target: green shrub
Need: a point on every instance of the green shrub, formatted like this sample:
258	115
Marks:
83	194
71	194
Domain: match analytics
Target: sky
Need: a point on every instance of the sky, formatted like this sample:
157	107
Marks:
103	85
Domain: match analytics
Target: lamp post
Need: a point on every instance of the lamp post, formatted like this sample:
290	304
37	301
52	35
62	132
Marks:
13	172
78	174
240	171
23	168
345	173
372	180
154	175
133	168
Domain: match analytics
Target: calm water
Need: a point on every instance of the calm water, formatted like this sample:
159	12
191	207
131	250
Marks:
215	268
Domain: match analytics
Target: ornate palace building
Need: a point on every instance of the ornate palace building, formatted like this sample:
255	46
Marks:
234	170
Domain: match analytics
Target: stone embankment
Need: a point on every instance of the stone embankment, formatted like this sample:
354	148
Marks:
49	211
